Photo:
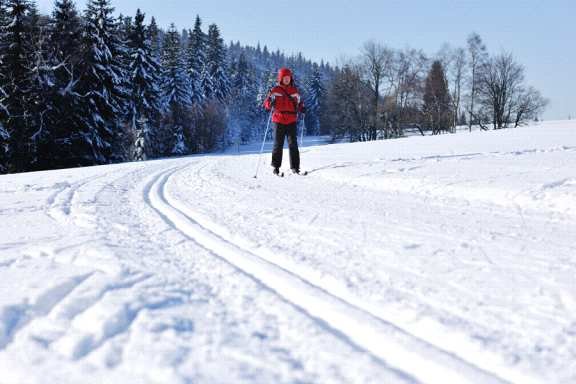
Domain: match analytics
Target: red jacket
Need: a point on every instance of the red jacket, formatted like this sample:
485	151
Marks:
285	108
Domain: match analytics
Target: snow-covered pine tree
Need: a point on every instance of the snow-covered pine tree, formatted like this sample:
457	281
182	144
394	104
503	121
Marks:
125	25
315	94
103	82
241	101
196	55
123	139
36	21
4	149
145	97
180	148
16	56
65	37
155	41
241	74
266	83
69	144
217	66
4	136
177	97
184	37
176	87
42	93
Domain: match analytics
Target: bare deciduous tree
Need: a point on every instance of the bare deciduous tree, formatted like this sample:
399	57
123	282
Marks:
477	55
457	72
504	97
410	69
529	106
377	66
500	83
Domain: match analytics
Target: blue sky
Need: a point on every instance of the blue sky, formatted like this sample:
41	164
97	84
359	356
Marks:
541	34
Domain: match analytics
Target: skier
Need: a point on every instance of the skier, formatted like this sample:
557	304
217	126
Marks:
287	103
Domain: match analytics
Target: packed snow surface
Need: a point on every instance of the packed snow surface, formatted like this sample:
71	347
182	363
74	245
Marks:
447	259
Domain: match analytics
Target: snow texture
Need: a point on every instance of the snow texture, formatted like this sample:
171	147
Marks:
447	259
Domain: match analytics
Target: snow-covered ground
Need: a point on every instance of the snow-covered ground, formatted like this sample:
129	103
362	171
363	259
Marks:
447	259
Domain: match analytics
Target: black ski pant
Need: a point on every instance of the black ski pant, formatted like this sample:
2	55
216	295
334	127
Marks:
280	132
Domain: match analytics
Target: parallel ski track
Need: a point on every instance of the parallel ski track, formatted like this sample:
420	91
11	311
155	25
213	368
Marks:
205	174
388	343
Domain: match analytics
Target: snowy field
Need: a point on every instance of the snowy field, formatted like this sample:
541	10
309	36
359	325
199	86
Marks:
447	259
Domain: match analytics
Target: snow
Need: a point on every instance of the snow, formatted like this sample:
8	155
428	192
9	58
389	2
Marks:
446	259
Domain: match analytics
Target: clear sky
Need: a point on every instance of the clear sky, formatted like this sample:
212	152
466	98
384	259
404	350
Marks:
541	34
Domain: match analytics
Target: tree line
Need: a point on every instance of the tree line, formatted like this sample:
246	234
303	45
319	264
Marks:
385	92
88	88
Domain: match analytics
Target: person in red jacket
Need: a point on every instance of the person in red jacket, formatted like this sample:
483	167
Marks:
286	102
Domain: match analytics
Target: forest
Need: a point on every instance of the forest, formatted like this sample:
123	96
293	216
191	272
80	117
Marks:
89	87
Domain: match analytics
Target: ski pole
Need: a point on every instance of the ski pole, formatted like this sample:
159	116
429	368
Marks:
263	142
302	133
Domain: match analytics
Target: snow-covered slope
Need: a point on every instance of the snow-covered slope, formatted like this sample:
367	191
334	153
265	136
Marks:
446	259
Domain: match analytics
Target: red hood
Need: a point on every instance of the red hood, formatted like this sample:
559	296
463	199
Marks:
285	72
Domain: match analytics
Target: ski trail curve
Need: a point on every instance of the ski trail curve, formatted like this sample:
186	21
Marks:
442	340
385	341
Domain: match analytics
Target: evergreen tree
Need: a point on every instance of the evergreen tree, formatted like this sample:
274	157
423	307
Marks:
242	105
68	144
179	148
125	25
35	22
184	37
4	136
437	103
218	88
102	82
267	82
4	149
315	93
145	97
42	96
155	43
241	74
176	90
65	37
196	61
123	136
17	55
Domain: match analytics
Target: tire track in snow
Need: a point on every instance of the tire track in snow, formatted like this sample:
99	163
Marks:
388	343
